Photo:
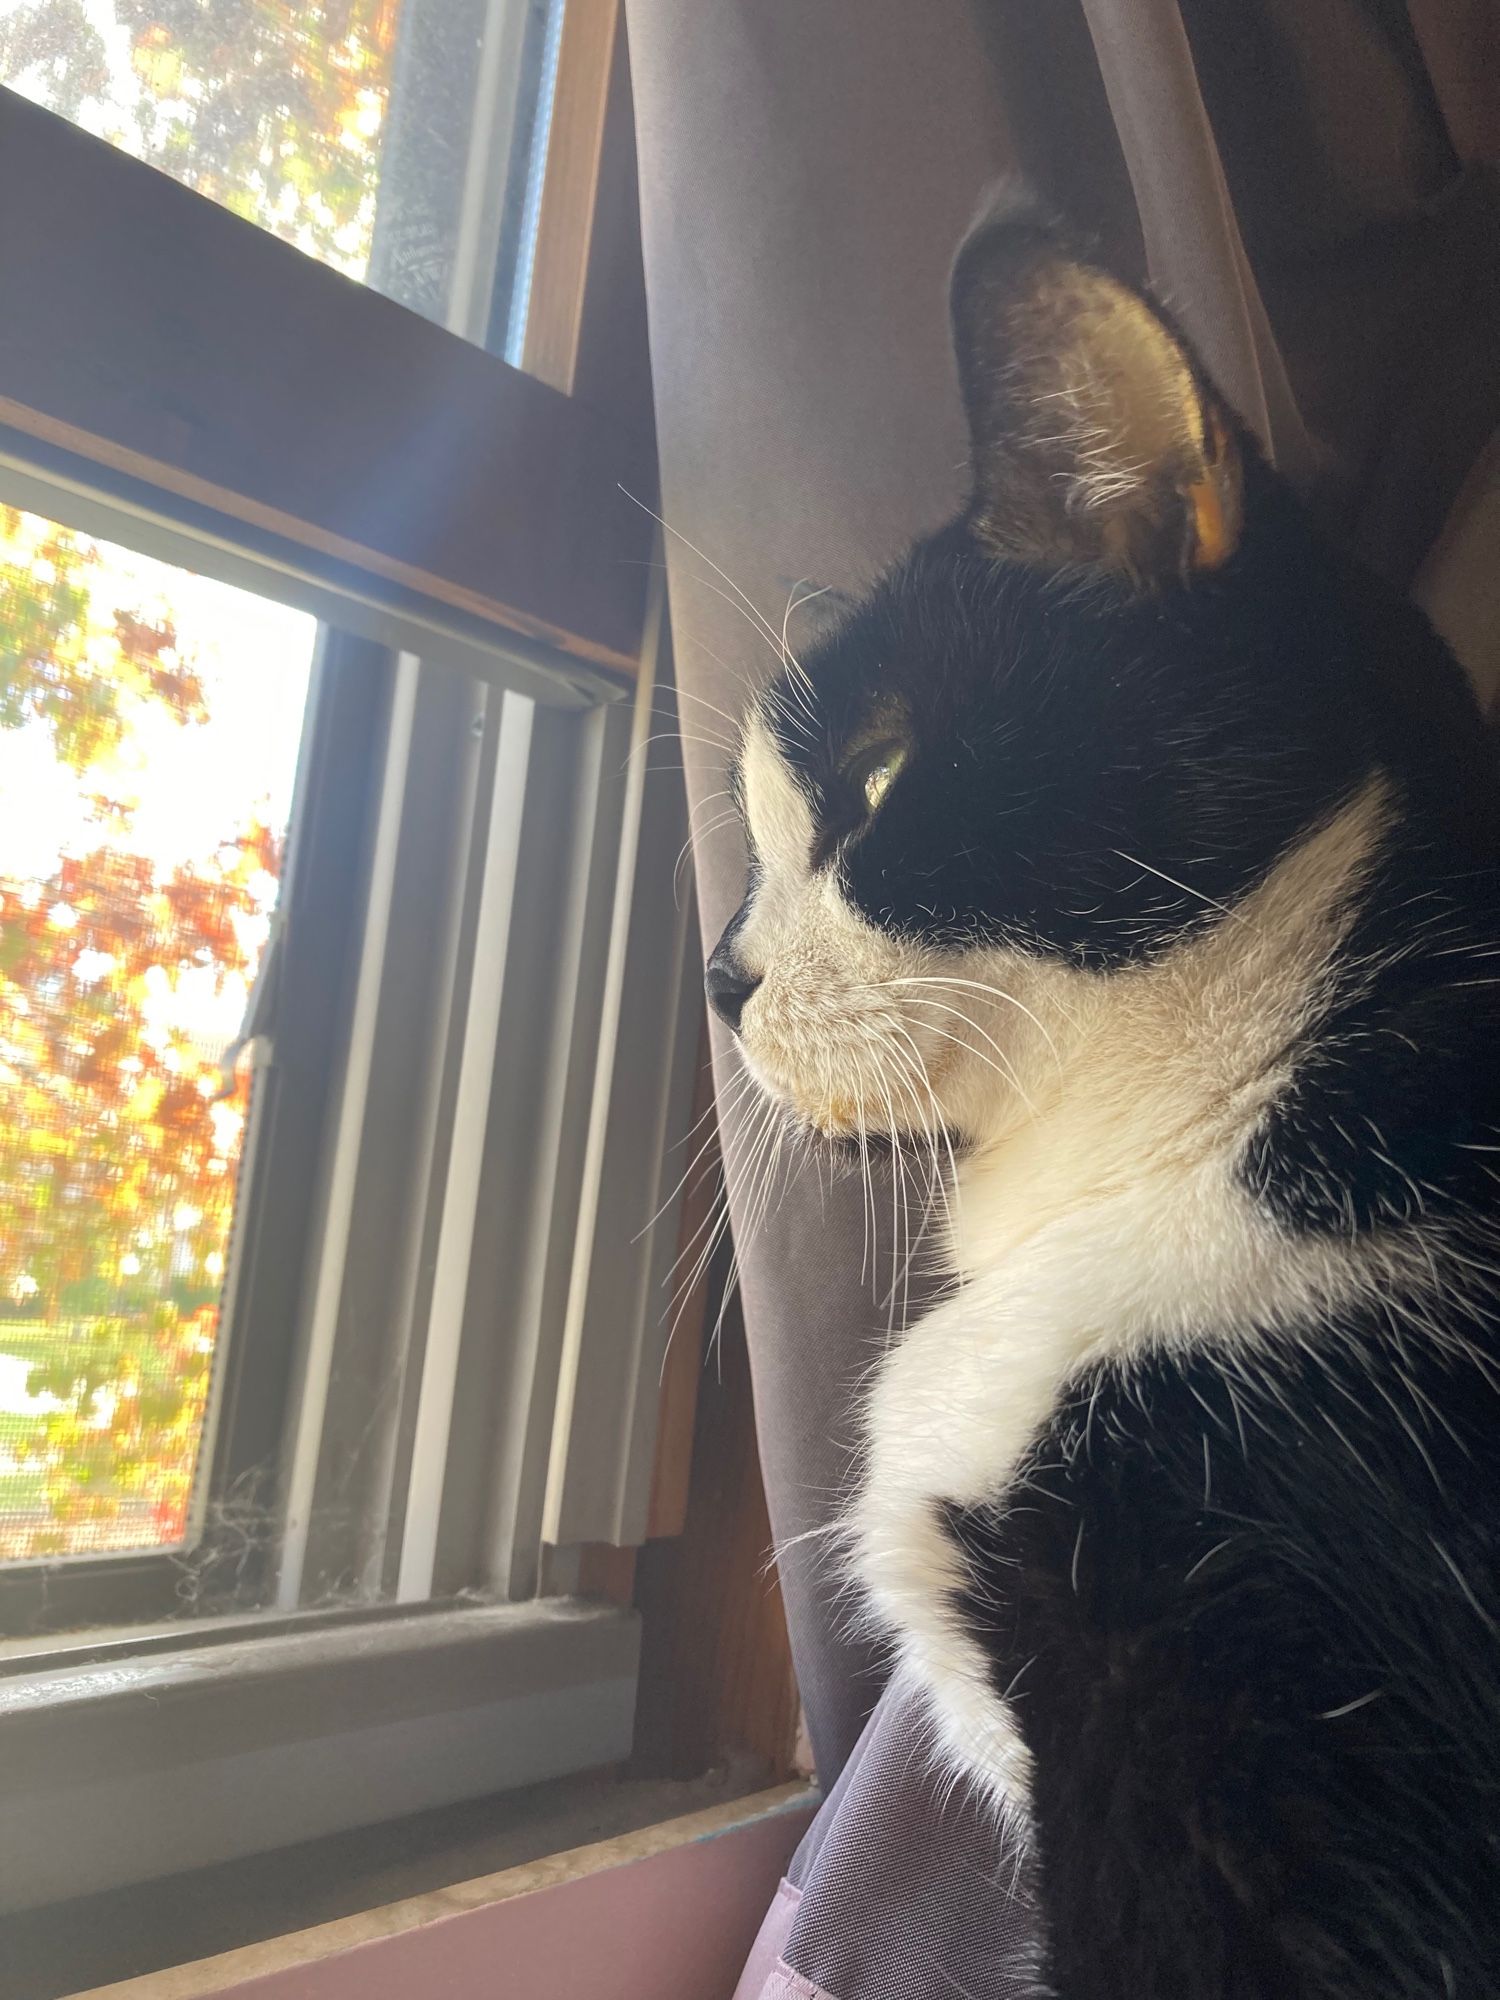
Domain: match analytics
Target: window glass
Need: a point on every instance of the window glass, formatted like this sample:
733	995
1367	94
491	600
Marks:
401	141
150	722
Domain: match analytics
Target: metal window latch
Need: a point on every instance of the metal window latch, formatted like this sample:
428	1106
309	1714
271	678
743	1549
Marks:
257	1029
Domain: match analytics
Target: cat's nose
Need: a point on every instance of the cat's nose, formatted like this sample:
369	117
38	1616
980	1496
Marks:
728	986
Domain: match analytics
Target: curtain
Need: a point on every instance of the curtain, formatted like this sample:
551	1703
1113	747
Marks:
1310	184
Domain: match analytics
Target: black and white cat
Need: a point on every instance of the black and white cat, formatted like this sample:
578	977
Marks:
1137	846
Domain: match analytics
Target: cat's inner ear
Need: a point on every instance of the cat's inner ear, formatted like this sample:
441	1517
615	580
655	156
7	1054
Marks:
1095	441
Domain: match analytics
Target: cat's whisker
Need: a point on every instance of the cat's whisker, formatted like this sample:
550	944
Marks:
916	1084
732	673
796	672
750	609
983	986
719	1210
936	1126
810	597
733	1093
667	713
898	1193
867	1255
747	1174
731	1289
702	833
1002	1067
720	1216
728	813
1001	1064
912	1244
734	721
1209	902
670	736
727	817
708	799
793	605
709	1235
771	1167
757	1200
705	1148
758	625
736	1093
738	1079
911	1083
714	1225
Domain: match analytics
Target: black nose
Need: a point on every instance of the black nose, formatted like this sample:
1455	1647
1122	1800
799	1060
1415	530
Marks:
728	986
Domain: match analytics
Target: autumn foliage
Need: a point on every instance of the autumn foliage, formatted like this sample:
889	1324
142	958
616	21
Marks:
269	106
117	1153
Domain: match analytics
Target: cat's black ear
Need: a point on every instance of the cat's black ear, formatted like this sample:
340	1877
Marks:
1096	441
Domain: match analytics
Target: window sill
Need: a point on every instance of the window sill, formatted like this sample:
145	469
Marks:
121	1769
668	1912
254	1907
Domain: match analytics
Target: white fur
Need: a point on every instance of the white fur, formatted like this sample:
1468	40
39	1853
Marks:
819	961
1099	1213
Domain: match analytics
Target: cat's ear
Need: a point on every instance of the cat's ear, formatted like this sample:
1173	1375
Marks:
1096	442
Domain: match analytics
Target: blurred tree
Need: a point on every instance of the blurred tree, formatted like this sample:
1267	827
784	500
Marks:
116	1165
64	666
271	107
54	45
117	1160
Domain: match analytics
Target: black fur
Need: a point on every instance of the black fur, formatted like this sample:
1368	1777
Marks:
1063	731
1248	1618
1248	1613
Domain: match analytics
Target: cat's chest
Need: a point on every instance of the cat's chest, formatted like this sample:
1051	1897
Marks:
951	1416
1170	1258
1073	1252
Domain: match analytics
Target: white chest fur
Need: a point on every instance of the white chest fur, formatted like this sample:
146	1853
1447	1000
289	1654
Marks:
1107	1222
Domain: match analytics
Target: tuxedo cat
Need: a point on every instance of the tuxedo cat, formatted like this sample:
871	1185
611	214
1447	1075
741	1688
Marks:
1135	849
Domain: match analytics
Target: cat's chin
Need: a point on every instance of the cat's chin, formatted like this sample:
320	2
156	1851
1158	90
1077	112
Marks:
831	1122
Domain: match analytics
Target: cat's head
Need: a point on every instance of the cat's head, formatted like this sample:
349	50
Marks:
1055	738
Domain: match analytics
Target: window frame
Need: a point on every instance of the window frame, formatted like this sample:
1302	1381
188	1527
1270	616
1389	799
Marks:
554	610
145	1759
108	444
559	1675
320	902
500	496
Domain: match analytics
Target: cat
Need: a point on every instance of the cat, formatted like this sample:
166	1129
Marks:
1132	847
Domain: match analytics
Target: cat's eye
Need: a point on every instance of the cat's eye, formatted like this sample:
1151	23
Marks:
878	771
864	778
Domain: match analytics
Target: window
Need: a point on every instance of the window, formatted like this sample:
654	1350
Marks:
332	688
402	142
149	728
162	351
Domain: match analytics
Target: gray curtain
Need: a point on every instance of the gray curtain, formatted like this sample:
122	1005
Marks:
1309	184
806	170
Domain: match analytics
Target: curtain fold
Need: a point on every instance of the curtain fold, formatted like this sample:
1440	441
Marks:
1195	255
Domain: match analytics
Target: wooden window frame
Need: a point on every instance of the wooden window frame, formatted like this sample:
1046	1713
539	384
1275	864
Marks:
247	387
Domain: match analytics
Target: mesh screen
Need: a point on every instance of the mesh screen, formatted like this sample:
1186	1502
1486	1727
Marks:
149	727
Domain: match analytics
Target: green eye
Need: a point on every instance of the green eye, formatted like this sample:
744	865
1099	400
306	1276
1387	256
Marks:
881	772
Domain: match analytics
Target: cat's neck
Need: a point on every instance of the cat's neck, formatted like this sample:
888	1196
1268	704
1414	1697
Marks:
1133	1079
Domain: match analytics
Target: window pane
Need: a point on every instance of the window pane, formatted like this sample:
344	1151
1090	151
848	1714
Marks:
150	722
401	141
